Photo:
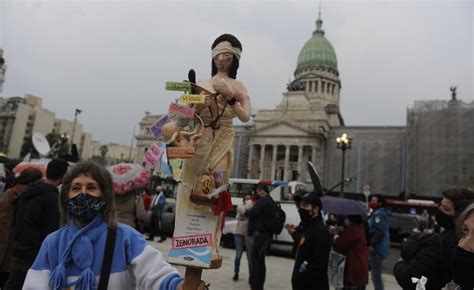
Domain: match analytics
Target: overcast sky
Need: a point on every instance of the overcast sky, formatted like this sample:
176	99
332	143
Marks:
111	58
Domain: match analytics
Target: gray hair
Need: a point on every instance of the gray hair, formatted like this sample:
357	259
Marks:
104	180
462	217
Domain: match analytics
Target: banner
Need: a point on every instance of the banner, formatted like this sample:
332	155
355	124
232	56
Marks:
193	238
193	99
181	110
178	86
158	126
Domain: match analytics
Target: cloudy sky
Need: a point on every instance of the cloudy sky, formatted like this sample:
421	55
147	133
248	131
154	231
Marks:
112	58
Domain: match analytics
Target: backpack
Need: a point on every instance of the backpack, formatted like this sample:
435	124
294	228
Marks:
278	219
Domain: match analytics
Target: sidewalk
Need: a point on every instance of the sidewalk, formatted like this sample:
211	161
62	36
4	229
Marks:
278	272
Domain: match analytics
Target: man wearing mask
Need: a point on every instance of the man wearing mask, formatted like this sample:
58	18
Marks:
311	262
430	255
37	215
296	232
379	238
260	217
463	257
157	205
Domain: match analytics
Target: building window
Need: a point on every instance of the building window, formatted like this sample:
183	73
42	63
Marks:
323	86
294	154
310	86
280	153
316	86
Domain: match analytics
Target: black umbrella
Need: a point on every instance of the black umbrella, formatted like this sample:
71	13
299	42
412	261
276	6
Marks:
313	173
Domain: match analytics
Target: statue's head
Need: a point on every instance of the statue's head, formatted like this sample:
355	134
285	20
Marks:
227	43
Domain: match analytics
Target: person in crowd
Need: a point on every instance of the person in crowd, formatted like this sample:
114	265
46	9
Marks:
463	257
260	216
311	262
241	236
429	254
130	209
157	206
379	238
37	215
352	243
332	220
73	256
434	224
424	221
7	213
10	179
146	199
296	232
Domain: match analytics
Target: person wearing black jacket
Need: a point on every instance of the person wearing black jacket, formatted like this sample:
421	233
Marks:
312	257
430	255
37	215
260	217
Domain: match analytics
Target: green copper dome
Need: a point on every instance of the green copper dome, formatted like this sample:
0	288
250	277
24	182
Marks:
317	51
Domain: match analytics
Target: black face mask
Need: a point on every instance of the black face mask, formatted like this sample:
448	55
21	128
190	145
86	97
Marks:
444	220
84	207
463	268
305	215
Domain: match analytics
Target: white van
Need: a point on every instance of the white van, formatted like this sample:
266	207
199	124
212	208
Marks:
280	191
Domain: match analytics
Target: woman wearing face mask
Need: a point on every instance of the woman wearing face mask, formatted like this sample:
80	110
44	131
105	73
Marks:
463	257
241	236
351	242
429	256
73	256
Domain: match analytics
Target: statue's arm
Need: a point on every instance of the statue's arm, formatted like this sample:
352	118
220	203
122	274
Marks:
243	107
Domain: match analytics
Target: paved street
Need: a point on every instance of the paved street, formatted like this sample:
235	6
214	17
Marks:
278	271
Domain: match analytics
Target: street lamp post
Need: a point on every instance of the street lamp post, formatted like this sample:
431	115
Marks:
343	143
75	124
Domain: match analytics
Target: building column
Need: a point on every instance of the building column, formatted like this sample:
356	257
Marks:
249	163
262	159
287	162
300	162
305	162
274	157
313	155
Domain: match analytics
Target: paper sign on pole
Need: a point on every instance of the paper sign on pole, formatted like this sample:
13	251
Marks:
153	155
158	126
178	86
180	152
193	238
176	165
149	159
193	99
181	110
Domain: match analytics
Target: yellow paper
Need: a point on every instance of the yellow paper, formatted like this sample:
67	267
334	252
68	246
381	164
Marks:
193	99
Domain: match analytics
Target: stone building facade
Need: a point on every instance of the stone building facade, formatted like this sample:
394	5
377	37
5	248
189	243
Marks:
433	152
285	138
440	146
20	117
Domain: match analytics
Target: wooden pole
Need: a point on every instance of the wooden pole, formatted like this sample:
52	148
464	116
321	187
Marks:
192	278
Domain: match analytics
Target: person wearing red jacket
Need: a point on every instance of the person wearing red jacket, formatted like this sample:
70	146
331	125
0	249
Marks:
147	200
351	242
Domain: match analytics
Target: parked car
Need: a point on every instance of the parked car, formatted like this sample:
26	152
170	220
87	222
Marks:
402	226
167	219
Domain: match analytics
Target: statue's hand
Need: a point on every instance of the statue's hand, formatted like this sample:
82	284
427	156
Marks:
242	97
208	101
223	88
